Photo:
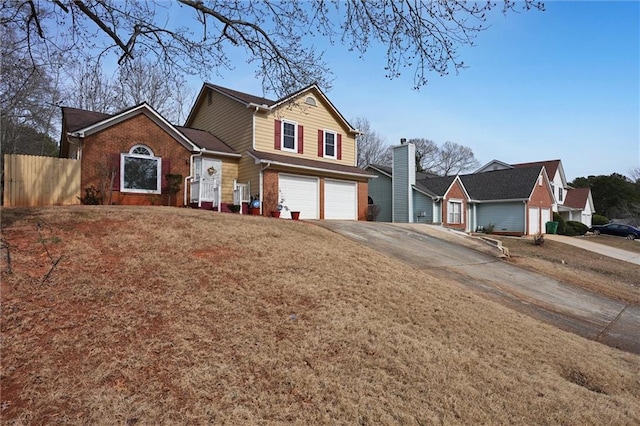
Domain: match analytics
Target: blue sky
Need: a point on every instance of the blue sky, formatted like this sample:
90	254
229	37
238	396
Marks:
564	83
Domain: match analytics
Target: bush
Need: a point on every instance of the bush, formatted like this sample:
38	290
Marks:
92	196
561	223
574	228
597	219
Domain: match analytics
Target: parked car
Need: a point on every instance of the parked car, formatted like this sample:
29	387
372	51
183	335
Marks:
616	229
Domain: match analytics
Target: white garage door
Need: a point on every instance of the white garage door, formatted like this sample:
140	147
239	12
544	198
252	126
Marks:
340	200
546	217
300	193
534	221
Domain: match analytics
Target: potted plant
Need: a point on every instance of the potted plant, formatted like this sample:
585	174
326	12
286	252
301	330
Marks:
254	205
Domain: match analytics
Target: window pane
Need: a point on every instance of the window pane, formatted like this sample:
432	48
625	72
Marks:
329	145
289	136
141	173
141	150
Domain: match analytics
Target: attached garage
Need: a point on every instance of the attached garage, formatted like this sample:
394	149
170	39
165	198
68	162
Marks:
340	200
300	193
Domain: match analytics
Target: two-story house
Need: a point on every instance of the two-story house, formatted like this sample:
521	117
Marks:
298	152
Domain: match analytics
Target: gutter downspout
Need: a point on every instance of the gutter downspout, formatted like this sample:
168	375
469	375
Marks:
190	176
253	130
262	169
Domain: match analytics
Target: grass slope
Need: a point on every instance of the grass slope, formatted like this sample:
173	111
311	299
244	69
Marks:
167	316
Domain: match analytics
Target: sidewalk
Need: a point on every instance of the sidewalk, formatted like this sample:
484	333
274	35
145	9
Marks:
616	253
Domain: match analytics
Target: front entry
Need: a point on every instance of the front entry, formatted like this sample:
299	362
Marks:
205	186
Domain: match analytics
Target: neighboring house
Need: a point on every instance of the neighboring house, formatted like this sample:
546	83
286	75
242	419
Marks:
128	155
569	204
512	201
298	151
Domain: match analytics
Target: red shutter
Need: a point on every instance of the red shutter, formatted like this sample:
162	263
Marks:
114	167
166	169
320	143
339	146
300	139
277	138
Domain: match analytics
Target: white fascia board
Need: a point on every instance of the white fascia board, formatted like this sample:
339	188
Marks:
221	154
140	109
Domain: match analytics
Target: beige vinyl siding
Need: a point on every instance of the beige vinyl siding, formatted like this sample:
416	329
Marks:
229	174
313	118
227	119
249	172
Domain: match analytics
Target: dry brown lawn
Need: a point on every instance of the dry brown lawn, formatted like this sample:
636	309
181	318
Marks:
177	316
614	278
617	242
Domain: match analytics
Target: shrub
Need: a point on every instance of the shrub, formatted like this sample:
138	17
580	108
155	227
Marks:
561	223
574	228
91	196
597	219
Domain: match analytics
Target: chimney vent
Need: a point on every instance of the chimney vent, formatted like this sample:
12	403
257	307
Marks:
403	141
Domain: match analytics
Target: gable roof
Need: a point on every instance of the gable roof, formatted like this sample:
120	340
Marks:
266	104
306	164
76	119
507	184
577	198
551	166
386	170
83	123
437	186
495	165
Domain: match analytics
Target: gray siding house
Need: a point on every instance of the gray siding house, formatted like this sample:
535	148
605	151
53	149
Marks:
512	201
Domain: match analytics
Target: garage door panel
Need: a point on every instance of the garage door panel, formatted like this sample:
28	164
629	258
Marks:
300	193
340	200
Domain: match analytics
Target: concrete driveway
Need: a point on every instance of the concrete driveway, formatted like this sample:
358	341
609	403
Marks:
475	265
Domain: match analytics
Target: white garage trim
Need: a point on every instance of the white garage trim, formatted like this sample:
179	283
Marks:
340	199
300	193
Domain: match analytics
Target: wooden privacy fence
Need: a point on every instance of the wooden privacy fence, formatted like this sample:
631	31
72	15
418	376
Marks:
31	181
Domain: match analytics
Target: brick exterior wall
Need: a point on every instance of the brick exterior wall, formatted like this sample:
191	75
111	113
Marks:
99	150
541	196
455	193
363	199
270	191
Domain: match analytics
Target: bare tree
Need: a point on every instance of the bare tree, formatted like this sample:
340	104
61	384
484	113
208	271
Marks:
634	172
135	82
279	37
371	146
427	155
29	89
455	159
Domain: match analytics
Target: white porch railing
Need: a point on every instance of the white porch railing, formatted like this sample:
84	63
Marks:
205	190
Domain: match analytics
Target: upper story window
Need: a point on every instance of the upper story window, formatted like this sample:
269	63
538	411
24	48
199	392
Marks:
140	171
330	142
560	194
289	138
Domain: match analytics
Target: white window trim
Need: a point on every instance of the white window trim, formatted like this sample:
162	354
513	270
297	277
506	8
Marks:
295	136
335	144
450	213
123	156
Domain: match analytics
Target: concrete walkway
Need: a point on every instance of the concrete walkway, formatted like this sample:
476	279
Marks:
616	253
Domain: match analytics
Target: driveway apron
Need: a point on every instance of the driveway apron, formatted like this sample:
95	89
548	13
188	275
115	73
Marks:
571	308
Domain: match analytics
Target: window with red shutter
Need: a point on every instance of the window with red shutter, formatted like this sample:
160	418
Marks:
300	139
339	146
320	143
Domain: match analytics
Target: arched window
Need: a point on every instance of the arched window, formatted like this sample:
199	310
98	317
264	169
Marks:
140	171
310	101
